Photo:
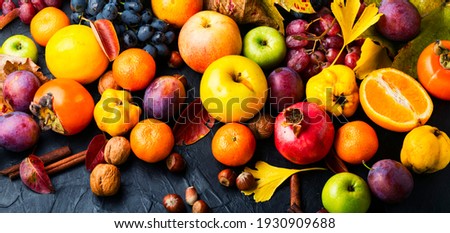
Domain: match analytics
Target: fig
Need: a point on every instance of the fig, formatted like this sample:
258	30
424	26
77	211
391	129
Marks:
19	131
400	20
303	133
163	97
19	89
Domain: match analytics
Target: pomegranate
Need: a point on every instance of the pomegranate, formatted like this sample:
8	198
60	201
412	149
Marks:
303	133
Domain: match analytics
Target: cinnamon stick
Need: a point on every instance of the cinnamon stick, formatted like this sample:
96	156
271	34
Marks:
47	158
60	165
295	194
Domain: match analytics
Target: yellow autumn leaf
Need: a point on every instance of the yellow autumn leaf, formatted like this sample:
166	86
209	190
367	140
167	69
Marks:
269	178
301	6
373	56
345	14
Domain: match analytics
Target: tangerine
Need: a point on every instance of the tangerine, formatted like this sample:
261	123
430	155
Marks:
356	142
233	144
394	100
176	12
46	23
134	69
151	140
74	53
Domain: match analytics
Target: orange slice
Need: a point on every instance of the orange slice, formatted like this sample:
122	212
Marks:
395	100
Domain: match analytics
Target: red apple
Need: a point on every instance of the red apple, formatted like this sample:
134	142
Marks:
207	36
303	133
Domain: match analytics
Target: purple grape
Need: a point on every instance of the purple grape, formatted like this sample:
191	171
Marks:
335	42
331	55
19	89
26	12
390	181
327	23
285	87
296	27
38	4
297	59
19	131
351	59
145	32
317	57
293	41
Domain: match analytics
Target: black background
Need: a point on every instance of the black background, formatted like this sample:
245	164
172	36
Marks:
144	185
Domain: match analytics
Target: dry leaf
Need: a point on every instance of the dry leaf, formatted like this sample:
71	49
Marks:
373	56
34	176
269	178
345	14
301	6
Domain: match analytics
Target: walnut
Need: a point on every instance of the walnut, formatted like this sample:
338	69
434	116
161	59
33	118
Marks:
105	180
107	81
117	150
262	125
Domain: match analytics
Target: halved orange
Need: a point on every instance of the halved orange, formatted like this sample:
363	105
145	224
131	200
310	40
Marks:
395	100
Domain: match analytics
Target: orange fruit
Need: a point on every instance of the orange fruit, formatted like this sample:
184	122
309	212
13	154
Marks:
74	53
176	12
46	22
134	69
395	100
355	142
233	144
151	140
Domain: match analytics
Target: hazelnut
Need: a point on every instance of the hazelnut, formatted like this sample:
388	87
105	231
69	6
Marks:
227	177
173	203
175	60
175	162
105	180
262	125
200	206
245	181
191	195
107	81
117	150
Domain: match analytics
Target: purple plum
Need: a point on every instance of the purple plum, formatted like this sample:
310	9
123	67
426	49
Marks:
19	89
19	131
390	181
286	88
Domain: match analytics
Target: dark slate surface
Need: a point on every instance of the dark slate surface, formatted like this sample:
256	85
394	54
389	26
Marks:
144	185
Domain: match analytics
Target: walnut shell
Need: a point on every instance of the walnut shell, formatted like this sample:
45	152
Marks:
107	81
262	125
105	180
117	150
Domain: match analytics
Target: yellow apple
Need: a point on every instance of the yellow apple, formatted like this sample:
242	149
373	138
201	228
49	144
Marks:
233	89
207	36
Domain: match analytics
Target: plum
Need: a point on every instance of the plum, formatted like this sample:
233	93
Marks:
286	88
390	181
163	97
19	89
400	20
19	131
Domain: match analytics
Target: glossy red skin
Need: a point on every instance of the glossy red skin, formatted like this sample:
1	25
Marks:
433	77
314	140
72	103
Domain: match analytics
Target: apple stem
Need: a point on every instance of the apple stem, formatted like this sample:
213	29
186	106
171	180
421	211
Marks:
365	165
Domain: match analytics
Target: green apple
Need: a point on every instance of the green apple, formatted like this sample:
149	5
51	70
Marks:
264	45
346	192
233	88
20	46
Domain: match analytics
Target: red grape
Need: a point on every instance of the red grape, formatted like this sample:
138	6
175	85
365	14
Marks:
327	22
297	59
310	70
26	12
38	4
296	27
317	57
332	54
292	42
54	3
335	42
7	6
351	59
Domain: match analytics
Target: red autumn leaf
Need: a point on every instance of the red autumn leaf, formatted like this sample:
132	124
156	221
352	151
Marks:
34	176
193	124
94	153
334	163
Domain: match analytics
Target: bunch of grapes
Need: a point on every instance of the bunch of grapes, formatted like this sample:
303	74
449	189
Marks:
135	24
314	44
28	8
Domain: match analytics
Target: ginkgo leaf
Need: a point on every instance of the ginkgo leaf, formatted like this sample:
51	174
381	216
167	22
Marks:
373	56
269	178
346	13
301	6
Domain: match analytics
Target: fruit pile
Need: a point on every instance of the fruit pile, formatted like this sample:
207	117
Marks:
300	90
135	25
